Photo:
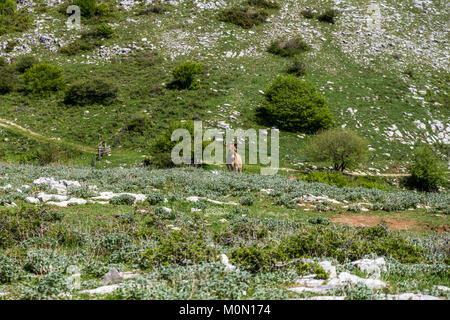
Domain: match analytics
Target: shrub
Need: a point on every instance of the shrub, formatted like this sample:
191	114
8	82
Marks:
179	247
43	261
342	148
87	7
344	243
47	154
331	178
319	220
263	4
19	224
295	105
139	123
3	62
164	213
11	20
8	79
104	31
85	43
308	14
124	199
426	169
185	74
43	77
155	198
297	67
247	200
162	147
328	16
7	7
10	269
245	17
253	259
48	287
92	91
25	62
288	48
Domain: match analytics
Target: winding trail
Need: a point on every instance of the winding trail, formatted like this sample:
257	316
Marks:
14	126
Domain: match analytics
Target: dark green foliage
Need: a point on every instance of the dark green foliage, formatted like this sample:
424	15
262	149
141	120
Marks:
43	77
25	62
8	79
125	199
80	45
19	224
16	22
10	269
247	200
295	105
3	62
288	48
328	16
297	67
87	7
139	124
427	171
7	7
341	148
104	31
319	220
245	17
253	259
92	91
185	74
179	247
308	14
263	4
344	244
155	198
164	213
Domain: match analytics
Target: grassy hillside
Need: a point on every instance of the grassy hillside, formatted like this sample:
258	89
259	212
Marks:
379	82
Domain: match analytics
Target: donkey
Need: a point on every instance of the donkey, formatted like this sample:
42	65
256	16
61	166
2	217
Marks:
234	161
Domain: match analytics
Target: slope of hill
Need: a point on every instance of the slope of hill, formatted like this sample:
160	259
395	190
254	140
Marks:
383	67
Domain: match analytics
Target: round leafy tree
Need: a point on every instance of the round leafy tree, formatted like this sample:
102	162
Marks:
295	105
43	77
341	148
426	169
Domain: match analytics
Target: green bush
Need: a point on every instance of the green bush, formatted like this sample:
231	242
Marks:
92	91
331	178
48	287
426	170
139	123
253	259
297	67
308	14
11	20
179	247
21	223
263	4
341	148
185	74
164	213
155	198
85	43
7	7
87	7
43	77
295	105
104	31
328	16
124	199
247	200
162	147
10	269
44	261
288	48
25	62
245	17
8	79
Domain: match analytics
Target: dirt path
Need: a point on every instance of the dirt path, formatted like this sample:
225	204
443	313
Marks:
12	125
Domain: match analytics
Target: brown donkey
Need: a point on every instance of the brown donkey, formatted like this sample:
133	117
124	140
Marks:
234	161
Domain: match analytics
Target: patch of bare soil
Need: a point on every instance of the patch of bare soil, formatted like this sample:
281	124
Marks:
370	221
